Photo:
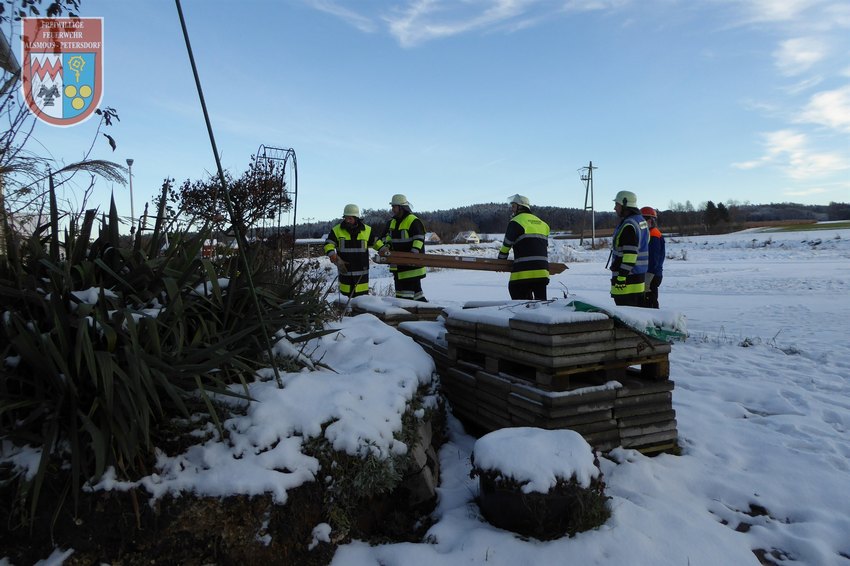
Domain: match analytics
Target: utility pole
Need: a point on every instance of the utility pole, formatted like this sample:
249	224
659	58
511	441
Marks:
587	178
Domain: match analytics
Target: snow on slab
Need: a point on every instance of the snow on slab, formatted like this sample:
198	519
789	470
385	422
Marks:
377	305
638	318
559	311
565	311
433	331
556	311
536	458
390	305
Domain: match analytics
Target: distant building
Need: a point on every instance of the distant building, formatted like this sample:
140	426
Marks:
432	238
468	237
208	251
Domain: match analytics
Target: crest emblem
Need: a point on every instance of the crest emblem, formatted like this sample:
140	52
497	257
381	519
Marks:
62	71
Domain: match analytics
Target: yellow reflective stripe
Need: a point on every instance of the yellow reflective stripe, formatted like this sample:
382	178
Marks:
629	289
630	258
345	288
412	273
530	274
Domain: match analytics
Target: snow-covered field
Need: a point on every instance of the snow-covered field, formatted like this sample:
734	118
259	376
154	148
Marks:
763	406
762	399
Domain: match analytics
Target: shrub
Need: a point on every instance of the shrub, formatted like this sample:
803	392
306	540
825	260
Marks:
104	345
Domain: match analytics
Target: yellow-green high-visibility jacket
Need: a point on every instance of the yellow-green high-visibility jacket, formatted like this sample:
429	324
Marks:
529	237
630	256
352	245
405	234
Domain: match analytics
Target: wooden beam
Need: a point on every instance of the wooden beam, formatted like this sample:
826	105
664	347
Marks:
456	262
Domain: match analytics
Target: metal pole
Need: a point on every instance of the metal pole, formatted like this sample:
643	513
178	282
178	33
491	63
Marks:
237	228
592	208
132	210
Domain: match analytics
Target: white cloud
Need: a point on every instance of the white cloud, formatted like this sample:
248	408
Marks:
776	10
354	19
797	55
423	20
413	22
749	164
803	85
592	5
805	192
790	151
829	108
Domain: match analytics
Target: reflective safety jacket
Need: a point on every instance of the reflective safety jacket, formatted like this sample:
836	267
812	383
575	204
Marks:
352	246
630	256
405	234
529	237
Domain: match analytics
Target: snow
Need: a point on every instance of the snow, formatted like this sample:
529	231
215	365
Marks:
762	400
556	312
513	452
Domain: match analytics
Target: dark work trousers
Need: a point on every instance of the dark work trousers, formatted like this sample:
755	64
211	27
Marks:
652	292
528	289
630	300
410	289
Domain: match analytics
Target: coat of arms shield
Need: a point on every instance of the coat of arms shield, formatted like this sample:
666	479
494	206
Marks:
62	71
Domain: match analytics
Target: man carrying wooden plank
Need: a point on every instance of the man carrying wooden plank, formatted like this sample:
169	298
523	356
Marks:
529	238
405	232
347	246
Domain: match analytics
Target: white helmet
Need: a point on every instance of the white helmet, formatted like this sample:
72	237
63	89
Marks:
520	200
399	200
351	210
627	199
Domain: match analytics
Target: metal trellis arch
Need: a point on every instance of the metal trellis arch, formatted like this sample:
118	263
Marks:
282	226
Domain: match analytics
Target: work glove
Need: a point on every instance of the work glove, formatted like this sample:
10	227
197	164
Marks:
620	283
339	263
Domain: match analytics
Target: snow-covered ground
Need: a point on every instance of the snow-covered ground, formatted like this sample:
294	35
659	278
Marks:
762	399
763	407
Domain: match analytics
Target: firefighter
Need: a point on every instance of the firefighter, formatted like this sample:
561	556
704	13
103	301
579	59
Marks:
348	246
629	252
655	269
405	232
529	238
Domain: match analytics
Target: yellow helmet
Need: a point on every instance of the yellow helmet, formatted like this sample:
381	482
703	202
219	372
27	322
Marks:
399	200
351	210
627	199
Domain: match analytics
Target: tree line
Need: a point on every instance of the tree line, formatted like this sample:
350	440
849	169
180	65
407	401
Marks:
680	217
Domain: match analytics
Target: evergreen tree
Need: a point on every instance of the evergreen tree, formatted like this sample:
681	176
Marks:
710	215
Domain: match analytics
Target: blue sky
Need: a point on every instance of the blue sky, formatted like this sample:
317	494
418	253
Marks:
460	102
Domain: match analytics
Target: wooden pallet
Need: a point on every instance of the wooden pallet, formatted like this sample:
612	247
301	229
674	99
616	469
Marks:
557	374
554	355
492	380
637	414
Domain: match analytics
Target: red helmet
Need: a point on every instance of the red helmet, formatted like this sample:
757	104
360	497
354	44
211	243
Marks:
648	211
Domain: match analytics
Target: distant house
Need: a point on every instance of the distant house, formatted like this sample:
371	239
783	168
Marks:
432	238
208	251
468	237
